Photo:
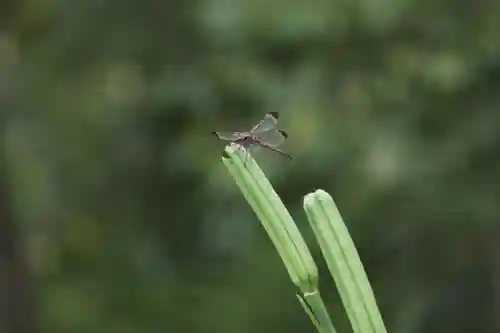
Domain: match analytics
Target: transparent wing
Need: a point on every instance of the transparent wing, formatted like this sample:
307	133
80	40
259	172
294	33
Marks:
254	148
282	153
272	138
268	123
230	136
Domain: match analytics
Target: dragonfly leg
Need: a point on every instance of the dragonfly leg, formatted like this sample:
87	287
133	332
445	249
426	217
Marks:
246	157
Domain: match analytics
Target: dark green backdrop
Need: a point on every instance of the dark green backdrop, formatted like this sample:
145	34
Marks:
116	214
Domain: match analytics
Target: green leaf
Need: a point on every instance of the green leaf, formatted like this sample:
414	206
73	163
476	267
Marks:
343	262
273	216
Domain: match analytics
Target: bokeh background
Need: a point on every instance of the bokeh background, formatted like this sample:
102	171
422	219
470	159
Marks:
116	214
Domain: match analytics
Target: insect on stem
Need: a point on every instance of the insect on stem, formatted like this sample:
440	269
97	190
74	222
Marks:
265	134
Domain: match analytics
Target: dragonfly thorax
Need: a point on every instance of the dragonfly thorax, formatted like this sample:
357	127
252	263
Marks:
246	140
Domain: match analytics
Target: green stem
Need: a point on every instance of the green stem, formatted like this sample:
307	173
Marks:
319	310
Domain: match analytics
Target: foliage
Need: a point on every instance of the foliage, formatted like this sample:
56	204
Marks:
128	222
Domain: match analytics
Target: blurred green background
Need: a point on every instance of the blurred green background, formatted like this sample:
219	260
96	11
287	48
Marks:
116	214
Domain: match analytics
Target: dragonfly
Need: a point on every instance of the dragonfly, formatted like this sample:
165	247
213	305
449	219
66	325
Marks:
263	135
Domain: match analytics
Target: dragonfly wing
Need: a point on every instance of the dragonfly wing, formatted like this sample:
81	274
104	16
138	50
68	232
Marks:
268	123
254	148
276	150
229	136
272	138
